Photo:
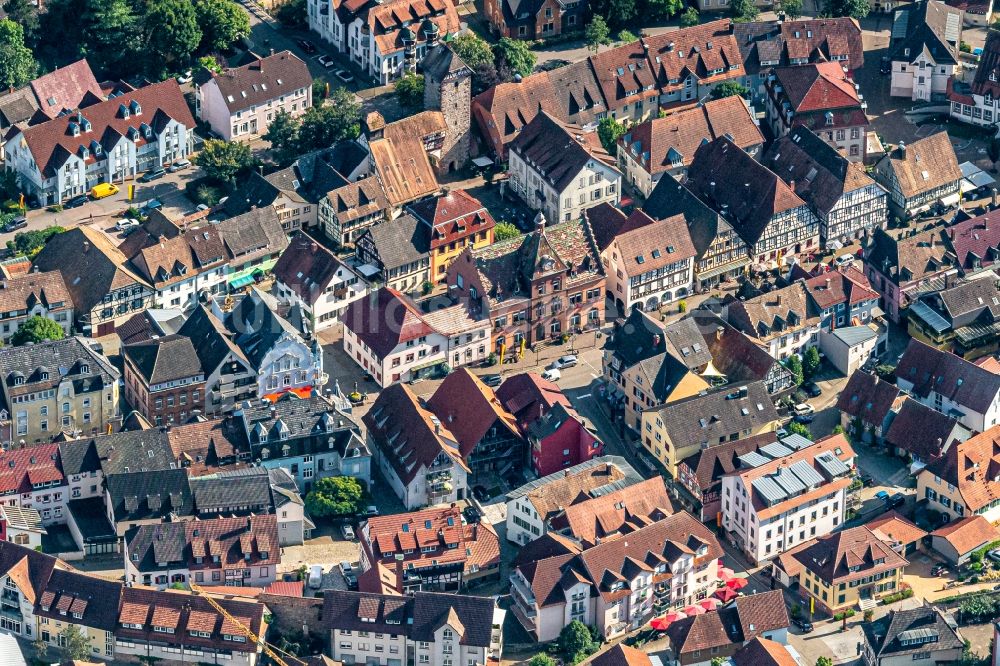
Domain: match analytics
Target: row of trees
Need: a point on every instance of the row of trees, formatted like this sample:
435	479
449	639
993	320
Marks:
118	37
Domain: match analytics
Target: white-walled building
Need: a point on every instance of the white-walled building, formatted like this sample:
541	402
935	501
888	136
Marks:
781	321
782	497
924	49
240	102
389	337
311	277
429	628
560	170
106	142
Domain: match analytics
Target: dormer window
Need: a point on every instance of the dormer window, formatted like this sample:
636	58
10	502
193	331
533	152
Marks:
84	152
85	124
135	107
74	129
85	369
123	111
829	118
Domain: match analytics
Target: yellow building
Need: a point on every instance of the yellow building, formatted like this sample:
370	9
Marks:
78	602
684	426
843	569
456	221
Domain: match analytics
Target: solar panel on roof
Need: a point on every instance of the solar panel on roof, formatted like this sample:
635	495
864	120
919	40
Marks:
752	459
796	441
769	490
775	450
805	473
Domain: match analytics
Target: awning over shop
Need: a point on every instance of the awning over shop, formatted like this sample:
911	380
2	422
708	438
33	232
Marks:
482	161
247	275
303	392
950	200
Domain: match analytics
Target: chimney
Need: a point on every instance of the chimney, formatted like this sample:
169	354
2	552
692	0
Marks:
902	150
719	330
993	197
656	340
828	283
608	468
86	247
540	221
566	474
777	299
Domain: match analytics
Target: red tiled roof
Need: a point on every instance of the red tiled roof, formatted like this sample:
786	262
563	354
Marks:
817	87
453	216
973	466
21	468
469	408
51	142
65	88
384	321
968	534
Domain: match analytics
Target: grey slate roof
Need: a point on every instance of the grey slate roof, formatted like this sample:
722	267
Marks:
401	241
708	417
223	491
118	453
164	359
686	343
61	359
131	493
212	342
634	339
309	425
884	634
253	234
256	325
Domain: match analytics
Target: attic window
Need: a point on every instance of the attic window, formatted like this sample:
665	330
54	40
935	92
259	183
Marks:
279	81
670	249
656	254
230	98
640	259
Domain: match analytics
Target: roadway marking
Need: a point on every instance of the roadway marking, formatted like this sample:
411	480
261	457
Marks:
585	395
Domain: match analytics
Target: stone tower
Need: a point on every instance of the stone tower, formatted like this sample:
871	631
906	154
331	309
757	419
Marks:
448	88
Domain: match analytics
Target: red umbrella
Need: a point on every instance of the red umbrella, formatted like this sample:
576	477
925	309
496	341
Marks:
709	604
736	583
693	610
726	573
725	594
662	623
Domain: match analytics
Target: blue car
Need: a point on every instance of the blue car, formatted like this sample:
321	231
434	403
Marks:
882	495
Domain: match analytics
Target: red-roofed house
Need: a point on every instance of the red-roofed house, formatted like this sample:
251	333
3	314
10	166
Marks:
108	141
438	550
387	335
457	220
821	97
66	89
32	478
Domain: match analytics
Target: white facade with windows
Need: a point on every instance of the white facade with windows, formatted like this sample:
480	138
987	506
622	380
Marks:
595	183
344	287
920	78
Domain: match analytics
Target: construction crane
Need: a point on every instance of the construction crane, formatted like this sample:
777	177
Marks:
270	650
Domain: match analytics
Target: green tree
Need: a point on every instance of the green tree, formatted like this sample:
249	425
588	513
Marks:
17	63
41	648
796	428
472	49
792	8
24	13
111	29
335	496
811	362
410	91
794	365
729	89
170	32
293	13
744	11
210	63
689	18
36	329
608	131
224	160
857	9
626	37
598	34
621	12
337	120
505	231
9	189
838	430
29	243
223	23
283	135
514	55
575	642
541	659
718	661
824	661
665	8
75	645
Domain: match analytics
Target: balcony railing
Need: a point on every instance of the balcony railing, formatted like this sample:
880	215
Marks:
524	592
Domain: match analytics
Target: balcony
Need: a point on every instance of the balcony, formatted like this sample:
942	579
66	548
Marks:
523	593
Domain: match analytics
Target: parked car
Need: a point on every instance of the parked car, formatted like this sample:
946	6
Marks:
371	510
315	576
479	492
492	381
179	165
844	260
994	554
812	389
351	580
804	418
126	223
567	361
866	480
306	46
897	500
882	495
472	514
76	201
347	532
804	625
185	77
939	569
151	205
803	408
19	222
552	375
326	61
344	75
103	190
345	567
152	174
